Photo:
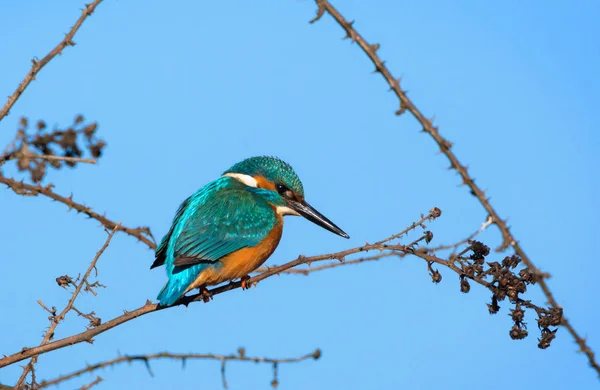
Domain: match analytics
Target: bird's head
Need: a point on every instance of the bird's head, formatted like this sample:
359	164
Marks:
278	183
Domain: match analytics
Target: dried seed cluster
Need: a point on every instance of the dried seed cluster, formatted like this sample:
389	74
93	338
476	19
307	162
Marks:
504	281
33	152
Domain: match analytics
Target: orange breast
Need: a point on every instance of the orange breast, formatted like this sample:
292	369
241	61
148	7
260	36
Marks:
242	262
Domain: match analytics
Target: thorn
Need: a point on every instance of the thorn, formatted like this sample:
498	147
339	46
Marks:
401	110
379	67
320	12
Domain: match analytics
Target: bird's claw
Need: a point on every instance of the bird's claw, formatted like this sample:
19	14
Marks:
206	295
245	284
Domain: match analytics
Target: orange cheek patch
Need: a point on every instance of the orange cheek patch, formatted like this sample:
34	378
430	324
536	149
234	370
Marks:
262	182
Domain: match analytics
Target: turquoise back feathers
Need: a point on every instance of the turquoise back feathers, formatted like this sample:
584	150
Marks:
236	211
218	219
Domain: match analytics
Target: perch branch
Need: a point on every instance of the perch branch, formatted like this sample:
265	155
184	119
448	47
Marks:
505	283
149	307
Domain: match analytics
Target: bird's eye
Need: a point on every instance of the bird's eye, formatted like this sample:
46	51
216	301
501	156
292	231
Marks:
283	190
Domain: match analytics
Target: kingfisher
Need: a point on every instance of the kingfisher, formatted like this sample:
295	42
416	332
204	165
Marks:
231	226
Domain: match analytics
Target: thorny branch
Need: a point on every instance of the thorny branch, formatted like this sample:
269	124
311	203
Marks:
497	277
37	65
240	357
34	152
309	270
455	246
143	234
508	240
56	319
91	384
433	214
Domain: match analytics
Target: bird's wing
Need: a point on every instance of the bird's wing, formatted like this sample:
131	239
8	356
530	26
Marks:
161	250
223	222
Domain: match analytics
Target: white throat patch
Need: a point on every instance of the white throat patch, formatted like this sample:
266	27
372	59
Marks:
246	179
284	210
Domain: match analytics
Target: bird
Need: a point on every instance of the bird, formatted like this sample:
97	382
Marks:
231	226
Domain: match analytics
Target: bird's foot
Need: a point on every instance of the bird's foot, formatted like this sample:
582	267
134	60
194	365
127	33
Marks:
206	295
245	284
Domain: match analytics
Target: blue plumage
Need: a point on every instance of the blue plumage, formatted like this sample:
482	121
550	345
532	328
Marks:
220	218
242	209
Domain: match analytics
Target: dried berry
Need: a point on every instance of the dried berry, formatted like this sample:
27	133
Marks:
493	307
480	251
518	332
465	287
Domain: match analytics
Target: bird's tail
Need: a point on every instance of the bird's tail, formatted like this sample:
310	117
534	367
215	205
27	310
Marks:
171	292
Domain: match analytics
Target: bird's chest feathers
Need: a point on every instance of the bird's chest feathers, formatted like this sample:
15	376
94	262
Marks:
242	262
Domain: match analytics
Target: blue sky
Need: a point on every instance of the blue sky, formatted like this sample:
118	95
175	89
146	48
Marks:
183	90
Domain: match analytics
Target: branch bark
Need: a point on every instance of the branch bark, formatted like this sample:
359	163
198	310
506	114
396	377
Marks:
505	283
508	240
143	234
57	319
241	357
39	65
149	307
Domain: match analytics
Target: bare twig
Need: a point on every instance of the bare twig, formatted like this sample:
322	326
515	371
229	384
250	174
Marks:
143	234
508	240
38	65
63	158
150	307
433	214
455	246
310	270
56	319
91	384
178	356
504	280
4	159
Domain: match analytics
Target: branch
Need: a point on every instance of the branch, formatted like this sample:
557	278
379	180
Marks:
38	65
91	384
310	270
508	240
504	284
56	319
241	356
143	234
455	246
60	158
149	307
433	214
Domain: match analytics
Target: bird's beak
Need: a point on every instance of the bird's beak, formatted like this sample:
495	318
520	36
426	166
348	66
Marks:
308	212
